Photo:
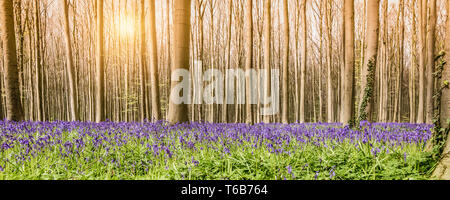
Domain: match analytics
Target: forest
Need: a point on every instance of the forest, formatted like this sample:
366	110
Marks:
168	77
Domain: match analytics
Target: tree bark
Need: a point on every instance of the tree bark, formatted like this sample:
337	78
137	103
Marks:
99	78
285	89
70	66
349	63
422	59
182	23
267	49
248	59
368	72
430	62
330	93
14	110
442	170
412	81
156	108
303	64
143	77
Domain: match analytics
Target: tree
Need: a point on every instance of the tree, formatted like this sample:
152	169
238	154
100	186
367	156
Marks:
267	52
13	105
143	105
156	110
349	57
422	59
285	112
38	67
70	65
370	62
182	24
442	170
330	93
430	62
99	78
248	58
303	64
412	82
398	85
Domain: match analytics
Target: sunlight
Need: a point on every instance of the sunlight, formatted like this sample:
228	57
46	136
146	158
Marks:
127	26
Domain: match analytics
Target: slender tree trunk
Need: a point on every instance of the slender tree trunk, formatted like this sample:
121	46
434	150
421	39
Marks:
143	77
430	62
368	72
321	60
70	66
156	112
267	49
182	25
349	55
38	70
1	87
422	59
412	87
248	59
330	93
285	89
14	110
99	78
303	64
169	53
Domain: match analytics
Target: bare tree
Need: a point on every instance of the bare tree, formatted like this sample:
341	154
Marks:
99	78
349	55
303	64
368	71
442	170
70	65
182	24
248	58
156	108
422	59
14	110
267	45
285	106
430	62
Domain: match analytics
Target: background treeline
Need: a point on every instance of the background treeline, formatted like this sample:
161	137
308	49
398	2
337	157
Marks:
311	48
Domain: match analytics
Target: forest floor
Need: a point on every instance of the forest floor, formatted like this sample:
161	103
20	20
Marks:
210	151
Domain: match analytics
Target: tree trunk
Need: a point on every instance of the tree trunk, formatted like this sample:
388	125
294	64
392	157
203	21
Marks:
267	50
38	70
412	81
368	72
303	64
182	23
248	59
143	77
430	62
70	66
349	55
285	89
330	93
156	108
99	78
442	170
14	110
422	59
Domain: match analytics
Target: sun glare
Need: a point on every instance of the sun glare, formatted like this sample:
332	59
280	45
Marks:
127	26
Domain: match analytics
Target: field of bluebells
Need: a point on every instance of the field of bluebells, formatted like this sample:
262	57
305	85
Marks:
207	151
